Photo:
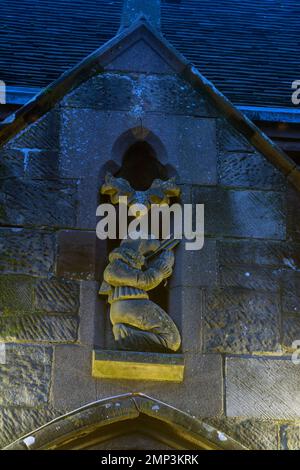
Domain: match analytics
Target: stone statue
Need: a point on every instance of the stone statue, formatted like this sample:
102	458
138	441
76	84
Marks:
135	268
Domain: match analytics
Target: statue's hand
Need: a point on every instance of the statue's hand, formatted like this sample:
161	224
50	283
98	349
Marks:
165	263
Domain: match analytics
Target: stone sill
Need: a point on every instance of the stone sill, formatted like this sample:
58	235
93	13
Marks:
128	365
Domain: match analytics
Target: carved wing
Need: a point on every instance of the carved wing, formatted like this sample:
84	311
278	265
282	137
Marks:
115	188
161	191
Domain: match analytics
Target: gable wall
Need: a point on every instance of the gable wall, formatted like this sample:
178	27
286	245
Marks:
237	300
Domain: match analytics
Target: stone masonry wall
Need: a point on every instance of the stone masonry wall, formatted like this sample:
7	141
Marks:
237	300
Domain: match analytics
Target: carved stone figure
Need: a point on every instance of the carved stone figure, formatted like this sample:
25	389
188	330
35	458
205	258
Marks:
160	191
135	268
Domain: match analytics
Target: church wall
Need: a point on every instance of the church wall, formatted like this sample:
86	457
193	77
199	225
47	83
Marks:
237	299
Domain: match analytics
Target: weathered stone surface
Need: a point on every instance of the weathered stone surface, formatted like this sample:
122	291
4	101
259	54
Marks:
203	384
293	214
138	94
262	388
15	422
26	251
182	139
88	201
57	295
43	134
51	329
195	268
11	163
230	140
249	170
241	321
260	279
140	58
291	292
107	91
76	254
42	164
259	253
41	203
252	433
73	385
16	294
290	333
93	312
25	377
186	309
193	140
230	213
290	437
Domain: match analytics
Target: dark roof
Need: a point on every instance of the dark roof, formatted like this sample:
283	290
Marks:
96	63
248	48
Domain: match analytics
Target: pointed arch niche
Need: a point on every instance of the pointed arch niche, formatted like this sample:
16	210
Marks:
138	156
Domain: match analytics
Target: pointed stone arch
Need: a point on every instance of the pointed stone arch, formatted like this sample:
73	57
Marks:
104	420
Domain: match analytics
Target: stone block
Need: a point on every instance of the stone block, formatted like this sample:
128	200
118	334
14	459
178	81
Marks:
203	384
37	327
254	434
173	95
290	333
16	294
57	296
249	277
140	58
88	201
290	437
291	292
249	170
76	254
241	321
262	388
182	139
132	365
186	309
107	91
140	94
40	203
229	213
195	268
293	214
93	312
73	385
15	422
193	140
269	253
83	153
25	377
43	134
230	140
26	251
42	164
11	163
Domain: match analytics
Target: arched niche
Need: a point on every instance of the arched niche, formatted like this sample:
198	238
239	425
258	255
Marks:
140	157
134	141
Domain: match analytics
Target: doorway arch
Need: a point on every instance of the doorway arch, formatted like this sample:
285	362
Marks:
104	420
